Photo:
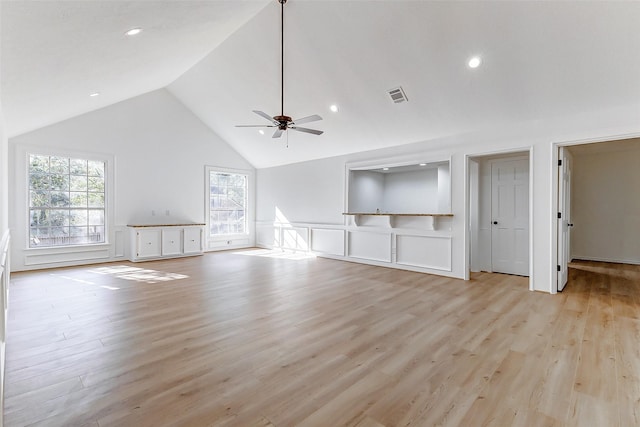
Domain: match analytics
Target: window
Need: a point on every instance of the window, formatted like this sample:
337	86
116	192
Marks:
227	203
66	201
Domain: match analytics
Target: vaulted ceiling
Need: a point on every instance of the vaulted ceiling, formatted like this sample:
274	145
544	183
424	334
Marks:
540	61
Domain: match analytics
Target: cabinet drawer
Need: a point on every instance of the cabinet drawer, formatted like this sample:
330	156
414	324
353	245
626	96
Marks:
171	241
148	243
192	240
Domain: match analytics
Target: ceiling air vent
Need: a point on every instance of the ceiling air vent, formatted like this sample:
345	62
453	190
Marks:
397	95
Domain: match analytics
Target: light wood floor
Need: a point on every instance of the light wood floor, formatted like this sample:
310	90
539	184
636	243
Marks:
238	340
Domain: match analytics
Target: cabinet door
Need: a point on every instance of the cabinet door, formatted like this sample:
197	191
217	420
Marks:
192	240
171	241
148	243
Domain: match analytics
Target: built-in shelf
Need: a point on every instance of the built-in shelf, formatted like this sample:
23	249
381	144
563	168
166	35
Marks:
392	219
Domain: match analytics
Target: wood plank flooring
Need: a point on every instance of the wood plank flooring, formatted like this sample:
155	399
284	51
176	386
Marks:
231	339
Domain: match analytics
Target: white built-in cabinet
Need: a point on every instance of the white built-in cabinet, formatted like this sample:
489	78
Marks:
399	214
165	241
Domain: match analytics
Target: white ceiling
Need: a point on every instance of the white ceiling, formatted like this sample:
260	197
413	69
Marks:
541	60
55	53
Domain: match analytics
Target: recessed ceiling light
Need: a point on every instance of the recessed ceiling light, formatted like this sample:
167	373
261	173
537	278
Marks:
475	62
261	132
334	108
94	94
134	31
385	169
423	164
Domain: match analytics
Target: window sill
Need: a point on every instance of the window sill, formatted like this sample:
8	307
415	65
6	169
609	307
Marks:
227	237
68	248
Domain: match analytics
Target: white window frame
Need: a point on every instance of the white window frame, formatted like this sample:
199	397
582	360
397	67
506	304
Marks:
213	241
25	151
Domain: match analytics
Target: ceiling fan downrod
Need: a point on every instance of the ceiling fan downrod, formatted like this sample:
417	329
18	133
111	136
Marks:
284	123
284	120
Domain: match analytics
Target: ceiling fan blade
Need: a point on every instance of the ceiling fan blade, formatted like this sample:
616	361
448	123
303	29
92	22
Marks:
255	126
307	119
307	130
277	133
265	115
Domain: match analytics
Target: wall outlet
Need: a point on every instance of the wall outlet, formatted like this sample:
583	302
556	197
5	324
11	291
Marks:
153	213
167	212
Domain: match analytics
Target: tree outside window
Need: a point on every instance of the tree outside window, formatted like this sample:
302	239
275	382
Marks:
66	201
227	203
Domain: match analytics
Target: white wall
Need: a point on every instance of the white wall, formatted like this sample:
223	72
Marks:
369	196
4	226
400	190
160	150
307	191
605	206
444	189
4	170
314	191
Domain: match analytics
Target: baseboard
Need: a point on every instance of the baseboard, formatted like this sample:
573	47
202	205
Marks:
611	260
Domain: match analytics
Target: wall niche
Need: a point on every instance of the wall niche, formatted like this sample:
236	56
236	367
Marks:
399	192
420	188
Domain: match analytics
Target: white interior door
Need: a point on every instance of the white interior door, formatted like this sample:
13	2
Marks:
510	216
564	212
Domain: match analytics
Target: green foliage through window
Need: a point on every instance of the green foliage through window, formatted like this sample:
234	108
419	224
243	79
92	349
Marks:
227	203
66	201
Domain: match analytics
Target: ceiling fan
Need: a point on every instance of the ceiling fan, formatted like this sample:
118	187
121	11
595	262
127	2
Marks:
283	122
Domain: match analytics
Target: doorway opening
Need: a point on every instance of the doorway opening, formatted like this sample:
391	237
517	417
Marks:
598	214
499	212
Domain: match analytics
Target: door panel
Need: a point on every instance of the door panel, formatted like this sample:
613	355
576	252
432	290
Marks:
171	240
149	243
192	240
510	216
564	208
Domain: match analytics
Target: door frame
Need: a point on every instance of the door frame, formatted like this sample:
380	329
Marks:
467	204
555	235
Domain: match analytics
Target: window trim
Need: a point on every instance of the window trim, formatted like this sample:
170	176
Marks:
25	151
248	208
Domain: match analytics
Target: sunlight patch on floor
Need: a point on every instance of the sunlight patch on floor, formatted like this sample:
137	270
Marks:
277	253
138	274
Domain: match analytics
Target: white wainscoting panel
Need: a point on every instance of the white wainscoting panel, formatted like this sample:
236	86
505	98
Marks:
295	238
424	251
372	246
119	243
327	241
228	244
70	254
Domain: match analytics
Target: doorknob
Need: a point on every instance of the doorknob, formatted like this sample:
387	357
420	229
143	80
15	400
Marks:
495	222
570	225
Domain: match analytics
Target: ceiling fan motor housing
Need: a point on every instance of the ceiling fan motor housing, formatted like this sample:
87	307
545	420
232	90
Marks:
283	120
